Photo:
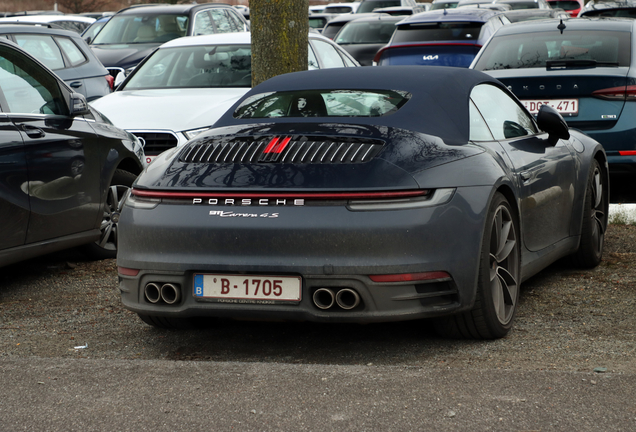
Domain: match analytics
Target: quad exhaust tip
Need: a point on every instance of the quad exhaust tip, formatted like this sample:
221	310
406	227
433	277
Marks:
324	298
162	292
347	298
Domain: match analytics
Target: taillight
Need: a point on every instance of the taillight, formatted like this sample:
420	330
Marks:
412	277
624	93
111	81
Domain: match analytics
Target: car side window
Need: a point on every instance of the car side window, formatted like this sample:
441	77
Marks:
328	55
43	48
222	21
27	87
236	22
311	59
478	128
73	53
504	116
203	24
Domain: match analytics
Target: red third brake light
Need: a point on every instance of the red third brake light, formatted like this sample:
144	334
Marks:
626	93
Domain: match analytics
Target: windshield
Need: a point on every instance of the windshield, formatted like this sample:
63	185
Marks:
532	51
322	103
366	33
130	29
442	31
565	4
622	12
195	66
444	5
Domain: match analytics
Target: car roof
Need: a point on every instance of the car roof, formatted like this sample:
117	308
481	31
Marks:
349	17
379	18
48	18
615	24
446	117
28	27
160	8
458	14
238	38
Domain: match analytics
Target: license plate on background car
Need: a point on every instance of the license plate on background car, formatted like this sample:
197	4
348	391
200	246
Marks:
563	106
247	288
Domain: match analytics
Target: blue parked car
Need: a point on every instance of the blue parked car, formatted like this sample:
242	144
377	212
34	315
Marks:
584	68
448	37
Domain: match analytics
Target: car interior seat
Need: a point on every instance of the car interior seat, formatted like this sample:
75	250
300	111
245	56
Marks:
145	33
308	105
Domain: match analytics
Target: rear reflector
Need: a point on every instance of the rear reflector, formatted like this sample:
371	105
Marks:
616	93
627	152
127	271
411	277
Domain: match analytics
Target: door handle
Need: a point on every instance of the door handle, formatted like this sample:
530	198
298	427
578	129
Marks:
32	131
76	84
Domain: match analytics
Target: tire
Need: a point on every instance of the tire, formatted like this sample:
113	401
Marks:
498	280
595	218
106	246
165	323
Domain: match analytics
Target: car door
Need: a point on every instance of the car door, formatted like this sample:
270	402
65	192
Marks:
63	168
544	173
14	201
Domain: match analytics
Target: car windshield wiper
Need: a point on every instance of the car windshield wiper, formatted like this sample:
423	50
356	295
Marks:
572	63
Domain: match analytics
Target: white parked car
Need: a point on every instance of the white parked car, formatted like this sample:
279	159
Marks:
187	84
76	23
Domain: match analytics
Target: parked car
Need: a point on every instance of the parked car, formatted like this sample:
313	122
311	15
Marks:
624	9
443	37
318	21
397	10
186	85
365	195
573	7
363	37
74	23
584	68
64	52
65	169
444	4
519	15
133	33
525	4
341	8
335	24
367	6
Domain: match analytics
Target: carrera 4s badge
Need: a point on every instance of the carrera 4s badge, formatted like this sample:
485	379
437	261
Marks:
231	214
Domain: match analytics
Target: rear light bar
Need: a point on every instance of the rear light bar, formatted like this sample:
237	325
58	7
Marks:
412	277
283	195
625	93
377	56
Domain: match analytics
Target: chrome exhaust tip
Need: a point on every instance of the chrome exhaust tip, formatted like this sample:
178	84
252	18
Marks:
152	292
324	298
170	293
347	298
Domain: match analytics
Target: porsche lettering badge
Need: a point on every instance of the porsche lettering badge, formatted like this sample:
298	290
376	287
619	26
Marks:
249	202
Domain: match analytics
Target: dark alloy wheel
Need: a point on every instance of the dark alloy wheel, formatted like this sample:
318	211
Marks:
106	246
498	280
594	219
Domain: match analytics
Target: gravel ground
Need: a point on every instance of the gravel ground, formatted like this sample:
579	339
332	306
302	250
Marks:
568	319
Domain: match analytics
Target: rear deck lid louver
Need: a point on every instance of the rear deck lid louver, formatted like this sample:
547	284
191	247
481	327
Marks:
283	149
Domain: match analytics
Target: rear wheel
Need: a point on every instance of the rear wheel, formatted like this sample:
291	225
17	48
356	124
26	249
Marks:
498	280
594	220
106	246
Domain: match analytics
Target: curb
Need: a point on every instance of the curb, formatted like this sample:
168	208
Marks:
622	213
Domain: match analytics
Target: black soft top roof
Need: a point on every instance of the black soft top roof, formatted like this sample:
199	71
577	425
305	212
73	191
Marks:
438	106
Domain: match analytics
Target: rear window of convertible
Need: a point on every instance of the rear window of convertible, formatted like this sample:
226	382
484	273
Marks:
322	103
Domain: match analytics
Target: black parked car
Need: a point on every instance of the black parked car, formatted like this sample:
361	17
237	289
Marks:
133	33
64	52
64	169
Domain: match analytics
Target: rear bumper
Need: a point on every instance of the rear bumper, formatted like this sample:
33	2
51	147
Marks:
328	246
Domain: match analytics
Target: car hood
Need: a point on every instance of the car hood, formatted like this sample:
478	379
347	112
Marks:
123	55
167	109
318	157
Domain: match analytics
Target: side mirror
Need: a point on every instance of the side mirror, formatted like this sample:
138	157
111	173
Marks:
120	78
550	121
78	105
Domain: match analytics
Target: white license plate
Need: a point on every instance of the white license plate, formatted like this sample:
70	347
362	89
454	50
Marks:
247	288
563	106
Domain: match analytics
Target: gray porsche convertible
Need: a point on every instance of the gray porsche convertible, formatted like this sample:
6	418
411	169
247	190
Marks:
367	195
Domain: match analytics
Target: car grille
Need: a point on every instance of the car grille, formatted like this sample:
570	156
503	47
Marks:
320	150
156	142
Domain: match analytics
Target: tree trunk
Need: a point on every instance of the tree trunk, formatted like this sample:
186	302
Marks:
279	37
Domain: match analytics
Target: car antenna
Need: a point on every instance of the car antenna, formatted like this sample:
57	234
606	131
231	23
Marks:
561	26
